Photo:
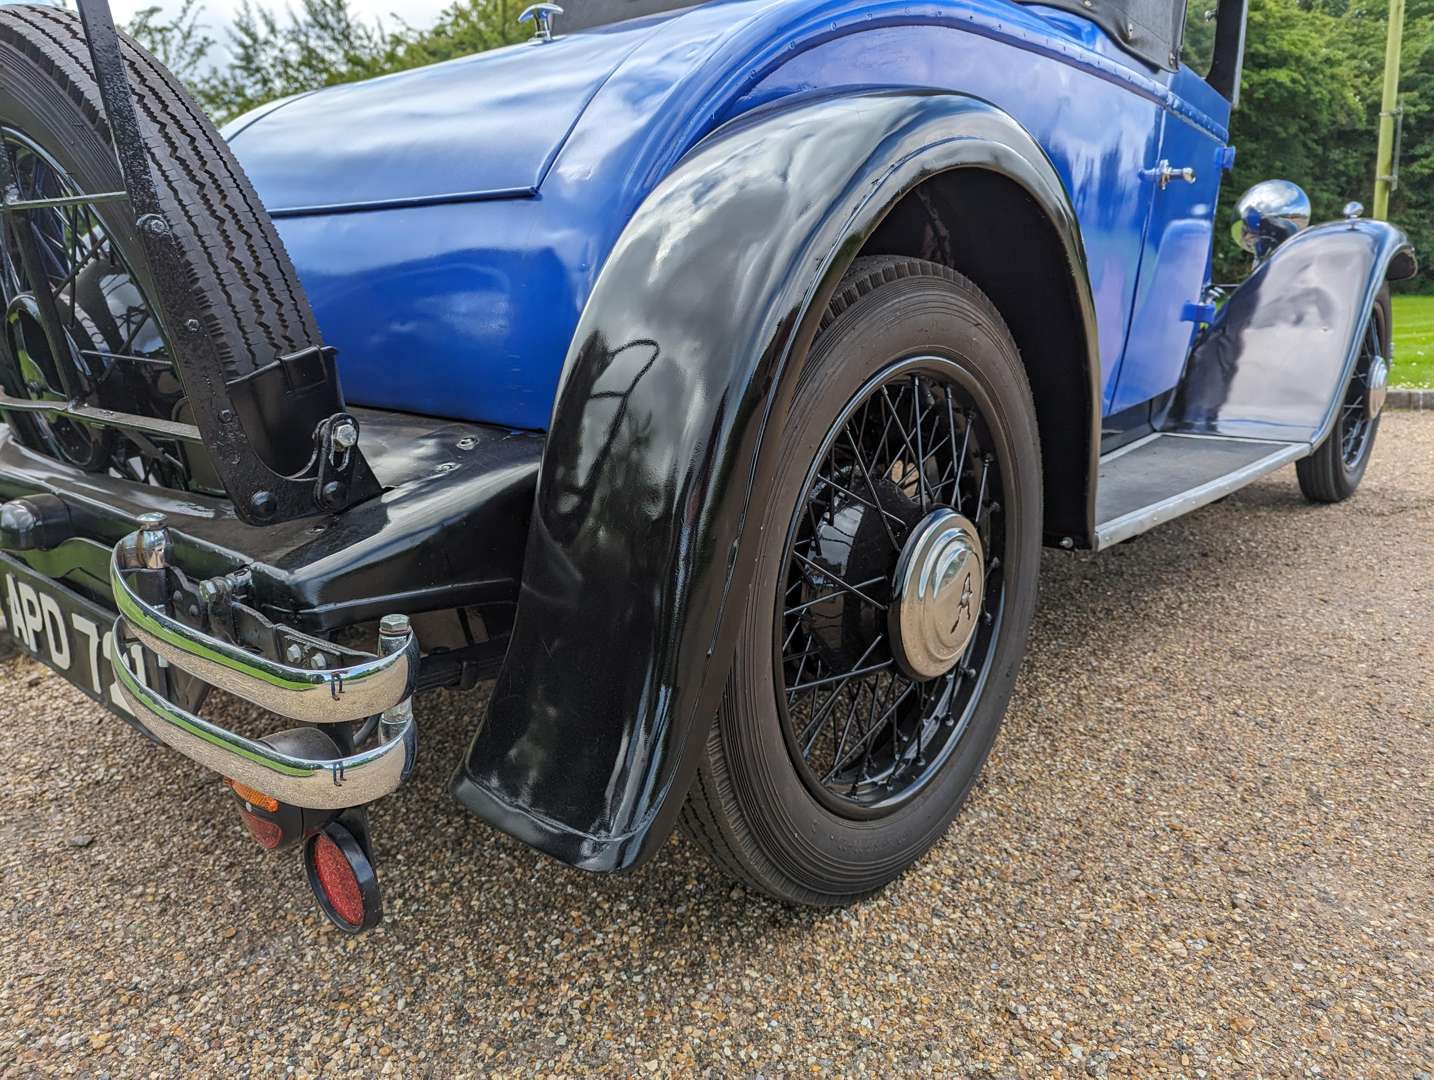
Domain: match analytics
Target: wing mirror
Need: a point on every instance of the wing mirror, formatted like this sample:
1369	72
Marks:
1268	214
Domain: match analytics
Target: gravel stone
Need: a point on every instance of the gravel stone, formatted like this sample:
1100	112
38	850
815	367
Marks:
1201	848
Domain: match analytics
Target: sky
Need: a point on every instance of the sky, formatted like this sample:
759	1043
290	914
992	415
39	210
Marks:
415	12
217	13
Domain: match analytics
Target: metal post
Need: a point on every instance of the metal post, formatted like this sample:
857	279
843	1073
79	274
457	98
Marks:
1386	175
393	634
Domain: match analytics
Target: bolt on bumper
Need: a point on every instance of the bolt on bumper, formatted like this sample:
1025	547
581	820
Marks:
380	685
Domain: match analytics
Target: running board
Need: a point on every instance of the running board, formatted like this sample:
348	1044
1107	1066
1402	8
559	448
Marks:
1164	476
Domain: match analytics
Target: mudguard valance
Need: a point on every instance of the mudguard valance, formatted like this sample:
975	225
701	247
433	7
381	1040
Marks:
682	356
1274	362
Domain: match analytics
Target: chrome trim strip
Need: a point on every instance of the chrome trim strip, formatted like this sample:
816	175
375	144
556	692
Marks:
1221	438
91	414
1136	522
323	696
22	205
322	785
1121	451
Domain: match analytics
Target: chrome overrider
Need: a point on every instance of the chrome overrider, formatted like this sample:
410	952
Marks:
381	685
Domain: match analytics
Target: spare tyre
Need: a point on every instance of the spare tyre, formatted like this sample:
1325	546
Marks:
53	129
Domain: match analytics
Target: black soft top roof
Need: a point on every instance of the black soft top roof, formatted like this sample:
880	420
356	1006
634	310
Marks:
1149	29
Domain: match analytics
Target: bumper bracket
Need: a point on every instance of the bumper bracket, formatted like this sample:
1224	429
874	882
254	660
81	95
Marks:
373	686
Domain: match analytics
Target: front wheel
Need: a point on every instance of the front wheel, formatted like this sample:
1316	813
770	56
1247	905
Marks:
893	593
1333	472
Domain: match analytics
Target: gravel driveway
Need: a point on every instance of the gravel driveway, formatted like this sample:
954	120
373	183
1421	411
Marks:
1202	847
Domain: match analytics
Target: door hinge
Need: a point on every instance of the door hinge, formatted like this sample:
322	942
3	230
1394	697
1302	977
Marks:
1198	312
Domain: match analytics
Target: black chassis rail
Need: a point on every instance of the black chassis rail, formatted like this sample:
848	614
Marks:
448	532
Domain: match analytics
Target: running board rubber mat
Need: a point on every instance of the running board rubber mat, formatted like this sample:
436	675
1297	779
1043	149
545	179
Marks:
1165	476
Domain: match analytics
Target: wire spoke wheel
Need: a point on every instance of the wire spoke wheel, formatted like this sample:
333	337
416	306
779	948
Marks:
895	554
865	730
79	325
74	275
1355	422
1334	471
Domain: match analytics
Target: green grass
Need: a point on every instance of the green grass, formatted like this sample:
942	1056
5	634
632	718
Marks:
1413	342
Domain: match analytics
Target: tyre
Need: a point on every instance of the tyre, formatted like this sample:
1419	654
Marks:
892	596
52	129
1333	472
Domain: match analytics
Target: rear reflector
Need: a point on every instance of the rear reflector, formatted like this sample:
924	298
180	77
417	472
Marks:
342	879
267	834
252	797
337	880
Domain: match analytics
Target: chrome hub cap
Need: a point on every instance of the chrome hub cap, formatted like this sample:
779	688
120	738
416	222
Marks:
1378	386
937	594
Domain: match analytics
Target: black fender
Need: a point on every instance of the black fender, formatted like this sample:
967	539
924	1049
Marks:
1275	360
686	351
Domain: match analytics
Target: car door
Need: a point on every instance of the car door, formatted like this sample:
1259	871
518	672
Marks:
1184	184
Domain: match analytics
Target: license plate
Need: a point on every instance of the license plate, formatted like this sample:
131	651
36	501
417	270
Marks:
72	635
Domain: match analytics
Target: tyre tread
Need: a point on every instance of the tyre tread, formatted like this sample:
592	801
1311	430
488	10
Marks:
250	297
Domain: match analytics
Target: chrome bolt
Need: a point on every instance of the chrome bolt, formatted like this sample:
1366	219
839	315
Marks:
393	625
294	654
345	435
468	442
153	542
318	661
211	591
263	503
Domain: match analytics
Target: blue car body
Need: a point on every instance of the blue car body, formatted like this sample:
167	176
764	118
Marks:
449	223
622	238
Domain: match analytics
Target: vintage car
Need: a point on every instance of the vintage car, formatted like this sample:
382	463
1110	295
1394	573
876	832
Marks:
712	376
